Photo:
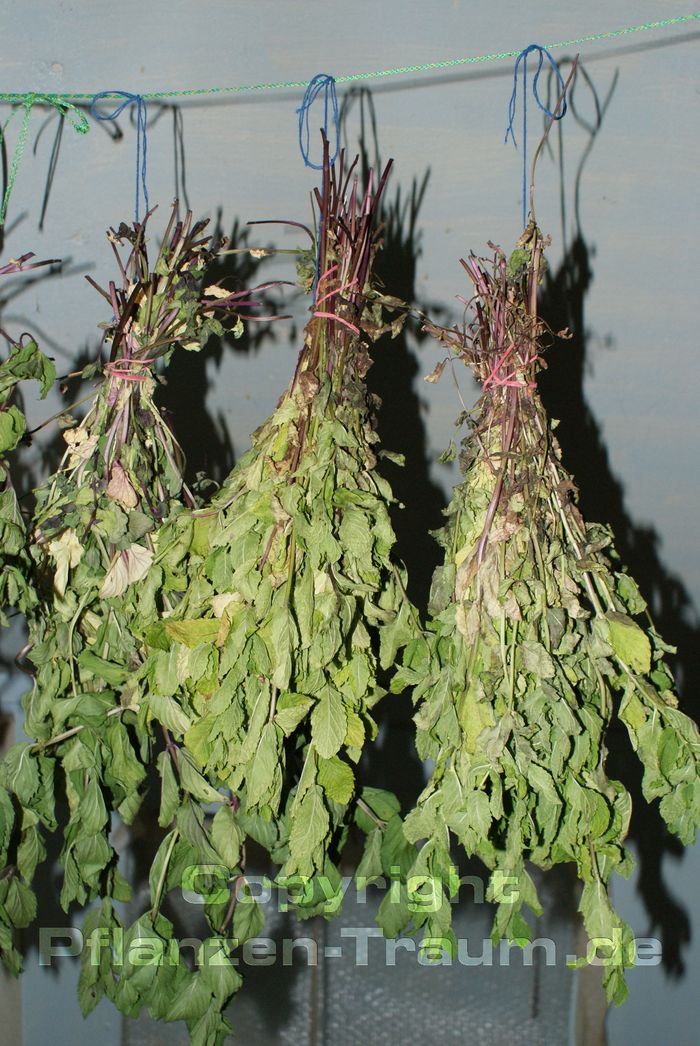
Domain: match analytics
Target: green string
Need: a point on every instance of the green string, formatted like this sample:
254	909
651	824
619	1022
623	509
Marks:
78	121
377	74
62	102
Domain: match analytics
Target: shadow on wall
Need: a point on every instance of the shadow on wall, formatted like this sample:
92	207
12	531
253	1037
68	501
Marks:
602	499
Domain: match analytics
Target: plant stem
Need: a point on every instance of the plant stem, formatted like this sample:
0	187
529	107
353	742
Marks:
164	872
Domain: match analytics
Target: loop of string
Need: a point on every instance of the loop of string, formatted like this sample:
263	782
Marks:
141	134
121	368
77	120
63	102
510	130
508	380
321	83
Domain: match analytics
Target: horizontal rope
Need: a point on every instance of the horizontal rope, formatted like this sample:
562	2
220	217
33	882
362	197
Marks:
16	98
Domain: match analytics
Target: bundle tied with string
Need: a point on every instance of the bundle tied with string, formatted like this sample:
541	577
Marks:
537	640
292	598
92	545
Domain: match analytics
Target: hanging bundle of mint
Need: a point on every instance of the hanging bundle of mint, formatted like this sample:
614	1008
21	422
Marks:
17	592
92	550
24	362
537	639
291	599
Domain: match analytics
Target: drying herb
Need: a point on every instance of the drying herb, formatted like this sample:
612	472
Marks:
292	602
537	639
23	363
92	547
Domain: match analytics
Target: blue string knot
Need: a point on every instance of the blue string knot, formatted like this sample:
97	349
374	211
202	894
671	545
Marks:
325	83
510	130
141	134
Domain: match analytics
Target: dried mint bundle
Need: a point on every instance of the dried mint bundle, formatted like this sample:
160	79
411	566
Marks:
292	601
23	363
537	639
92	548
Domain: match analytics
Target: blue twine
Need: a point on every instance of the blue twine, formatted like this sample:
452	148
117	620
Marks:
510	130
326	83
320	82
141	134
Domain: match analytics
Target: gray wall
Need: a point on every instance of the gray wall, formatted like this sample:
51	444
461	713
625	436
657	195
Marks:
637	205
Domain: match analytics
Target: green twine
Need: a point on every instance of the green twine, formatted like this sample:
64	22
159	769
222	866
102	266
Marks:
62	102
59	102
377	74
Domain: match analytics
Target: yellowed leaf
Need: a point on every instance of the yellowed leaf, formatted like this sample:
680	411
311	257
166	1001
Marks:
120	489
130	565
67	553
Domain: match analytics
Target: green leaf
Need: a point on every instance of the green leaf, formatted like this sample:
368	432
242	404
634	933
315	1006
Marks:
7	820
19	772
158	873
168	712
475	716
328	723
398	854
194	782
20	903
192	1001
216	969
93	812
260	777
200	545
370	866
537	661
248	916
226	836
542	780
384	804
310	825
192	633
30	851
169	790
394	913
628	590
12	428
337	779
629	642
27	362
291	711
97	666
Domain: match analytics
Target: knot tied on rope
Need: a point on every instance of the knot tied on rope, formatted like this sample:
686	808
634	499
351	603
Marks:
542	53
321	83
76	118
141	134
